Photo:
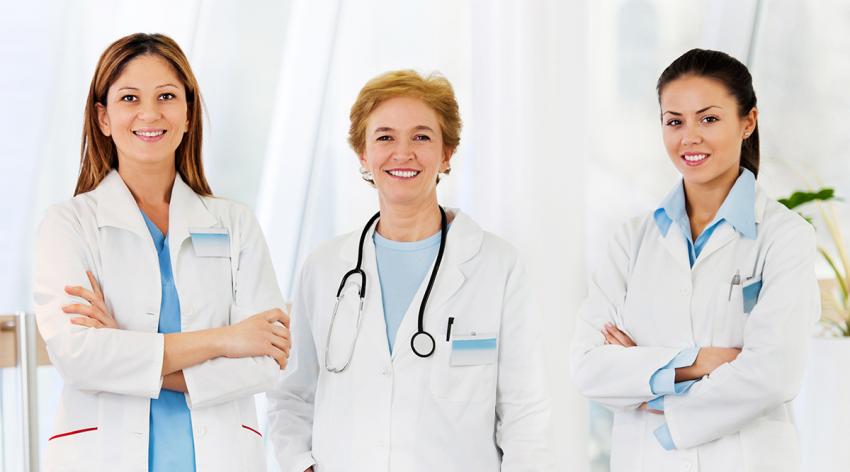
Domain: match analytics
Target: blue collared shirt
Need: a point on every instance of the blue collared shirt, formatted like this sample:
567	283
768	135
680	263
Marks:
737	210
171	446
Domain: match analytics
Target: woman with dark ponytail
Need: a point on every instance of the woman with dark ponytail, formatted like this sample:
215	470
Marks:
696	325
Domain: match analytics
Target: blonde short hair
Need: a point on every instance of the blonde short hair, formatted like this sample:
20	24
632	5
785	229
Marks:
434	90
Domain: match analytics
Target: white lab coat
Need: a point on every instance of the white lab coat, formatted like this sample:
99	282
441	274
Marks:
111	374
401	412
739	417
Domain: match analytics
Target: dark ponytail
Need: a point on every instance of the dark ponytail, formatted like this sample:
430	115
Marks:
731	73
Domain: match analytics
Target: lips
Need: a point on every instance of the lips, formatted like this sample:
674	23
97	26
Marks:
693	159
150	135
404	174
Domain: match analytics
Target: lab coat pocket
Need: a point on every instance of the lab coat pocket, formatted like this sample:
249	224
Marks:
750	294
73	448
464	370
770	446
627	436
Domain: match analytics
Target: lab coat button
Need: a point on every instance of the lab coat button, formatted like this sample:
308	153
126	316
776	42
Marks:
201	431
686	465
387	372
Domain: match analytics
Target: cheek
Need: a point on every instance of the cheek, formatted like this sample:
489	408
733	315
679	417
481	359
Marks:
671	142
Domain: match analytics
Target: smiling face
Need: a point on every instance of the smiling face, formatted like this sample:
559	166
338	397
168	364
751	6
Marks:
404	151
145	112
703	130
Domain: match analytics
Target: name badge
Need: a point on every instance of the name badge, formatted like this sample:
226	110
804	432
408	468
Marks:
474	350
210	242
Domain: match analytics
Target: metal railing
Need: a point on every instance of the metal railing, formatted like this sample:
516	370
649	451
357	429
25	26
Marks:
28	353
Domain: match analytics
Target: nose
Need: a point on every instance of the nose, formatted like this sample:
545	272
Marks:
149	111
404	151
691	135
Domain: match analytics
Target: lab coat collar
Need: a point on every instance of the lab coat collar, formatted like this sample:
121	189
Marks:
738	208
676	241
117	208
463	242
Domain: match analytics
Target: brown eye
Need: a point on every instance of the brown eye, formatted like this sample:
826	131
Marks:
129	98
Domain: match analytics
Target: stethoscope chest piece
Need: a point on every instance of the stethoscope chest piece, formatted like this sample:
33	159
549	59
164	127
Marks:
422	344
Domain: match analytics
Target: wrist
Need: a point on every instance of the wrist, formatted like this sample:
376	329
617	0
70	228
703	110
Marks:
219	341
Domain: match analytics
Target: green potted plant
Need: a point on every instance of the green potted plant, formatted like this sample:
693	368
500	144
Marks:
821	409
835	298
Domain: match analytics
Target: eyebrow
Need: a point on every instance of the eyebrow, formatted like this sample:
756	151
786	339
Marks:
698	111
158	86
383	129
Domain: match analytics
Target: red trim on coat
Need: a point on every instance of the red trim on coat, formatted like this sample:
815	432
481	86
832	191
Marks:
252	430
69	433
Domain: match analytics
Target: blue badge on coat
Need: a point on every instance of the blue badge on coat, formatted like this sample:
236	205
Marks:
210	242
751	293
474	350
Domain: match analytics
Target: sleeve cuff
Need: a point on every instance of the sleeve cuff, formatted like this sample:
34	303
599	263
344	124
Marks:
662	381
656	403
662	434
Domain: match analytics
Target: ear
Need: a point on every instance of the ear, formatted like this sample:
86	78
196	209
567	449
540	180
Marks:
103	119
362	158
448	153
751	120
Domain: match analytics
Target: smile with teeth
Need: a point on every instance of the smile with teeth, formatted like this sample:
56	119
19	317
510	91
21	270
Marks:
149	134
404	174
694	157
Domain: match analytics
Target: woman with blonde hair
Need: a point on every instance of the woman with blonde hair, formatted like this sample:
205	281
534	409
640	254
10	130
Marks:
415	347
158	301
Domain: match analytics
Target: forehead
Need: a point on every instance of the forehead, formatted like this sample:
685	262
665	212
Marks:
403	112
692	93
147	71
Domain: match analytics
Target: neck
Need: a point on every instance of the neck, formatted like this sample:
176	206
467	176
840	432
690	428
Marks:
702	200
150	185
408	223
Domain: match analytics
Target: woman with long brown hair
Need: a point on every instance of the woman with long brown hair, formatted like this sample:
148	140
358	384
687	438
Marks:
158	301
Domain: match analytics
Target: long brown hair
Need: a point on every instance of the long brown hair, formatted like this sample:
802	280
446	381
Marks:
98	155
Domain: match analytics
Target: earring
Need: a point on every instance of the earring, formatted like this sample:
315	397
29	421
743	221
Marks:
746	135
367	176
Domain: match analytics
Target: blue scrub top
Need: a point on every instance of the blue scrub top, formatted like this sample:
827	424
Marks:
172	446
402	266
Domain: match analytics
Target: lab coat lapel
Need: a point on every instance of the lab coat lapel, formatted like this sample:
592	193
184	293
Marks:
186	211
676	245
722	235
374	326
117	208
462	243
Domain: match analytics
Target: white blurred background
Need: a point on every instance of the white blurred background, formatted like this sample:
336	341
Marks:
561	139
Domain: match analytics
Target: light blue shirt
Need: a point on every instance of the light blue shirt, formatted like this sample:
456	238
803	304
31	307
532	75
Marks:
171	446
737	210
402	266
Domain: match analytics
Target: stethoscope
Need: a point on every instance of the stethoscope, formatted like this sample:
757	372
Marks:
421	342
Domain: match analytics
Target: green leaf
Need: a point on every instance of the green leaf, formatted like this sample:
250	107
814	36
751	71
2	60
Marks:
800	198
